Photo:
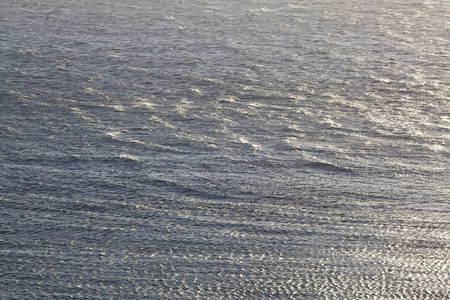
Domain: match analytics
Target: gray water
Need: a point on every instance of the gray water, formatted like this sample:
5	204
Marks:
209	149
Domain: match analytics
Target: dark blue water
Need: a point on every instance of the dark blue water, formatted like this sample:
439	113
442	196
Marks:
224	149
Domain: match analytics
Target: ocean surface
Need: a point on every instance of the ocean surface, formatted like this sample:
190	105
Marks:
240	149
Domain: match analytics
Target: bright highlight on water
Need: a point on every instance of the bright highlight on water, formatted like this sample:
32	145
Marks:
224	149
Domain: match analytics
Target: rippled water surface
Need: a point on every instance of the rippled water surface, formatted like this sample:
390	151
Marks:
224	149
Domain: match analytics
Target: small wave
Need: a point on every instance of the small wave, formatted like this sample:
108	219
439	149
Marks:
329	167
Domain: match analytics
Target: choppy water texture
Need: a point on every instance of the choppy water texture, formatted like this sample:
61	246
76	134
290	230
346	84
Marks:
224	149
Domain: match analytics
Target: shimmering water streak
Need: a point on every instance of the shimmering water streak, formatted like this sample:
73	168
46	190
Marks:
214	149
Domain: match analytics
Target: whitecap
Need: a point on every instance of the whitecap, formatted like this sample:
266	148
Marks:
439	148
88	90
197	91
230	99
247	141
118	107
129	157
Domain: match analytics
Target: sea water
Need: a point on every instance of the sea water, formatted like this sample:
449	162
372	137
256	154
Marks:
242	149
